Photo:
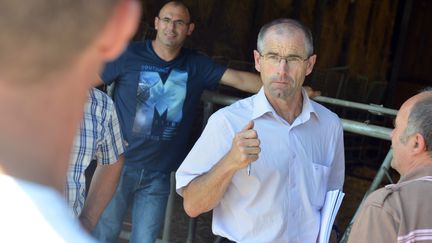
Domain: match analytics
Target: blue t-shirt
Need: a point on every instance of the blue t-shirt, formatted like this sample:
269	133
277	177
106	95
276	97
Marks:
156	102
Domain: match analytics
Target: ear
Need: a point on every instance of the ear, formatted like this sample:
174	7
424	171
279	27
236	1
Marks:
257	58
191	28
418	143
156	23
310	64
120	27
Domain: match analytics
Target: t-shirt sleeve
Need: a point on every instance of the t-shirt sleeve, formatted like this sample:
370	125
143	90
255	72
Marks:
112	71
214	142
211	72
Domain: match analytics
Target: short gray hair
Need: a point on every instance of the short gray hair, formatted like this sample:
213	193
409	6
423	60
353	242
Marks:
420	120
291	23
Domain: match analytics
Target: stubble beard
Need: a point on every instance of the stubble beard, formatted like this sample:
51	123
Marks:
283	93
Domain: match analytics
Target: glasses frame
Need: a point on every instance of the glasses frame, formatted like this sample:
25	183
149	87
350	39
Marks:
288	59
168	21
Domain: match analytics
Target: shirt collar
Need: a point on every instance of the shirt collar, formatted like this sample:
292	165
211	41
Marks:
262	106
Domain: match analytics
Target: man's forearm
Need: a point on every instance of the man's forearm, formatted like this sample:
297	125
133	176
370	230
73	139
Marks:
245	81
102	188
204	192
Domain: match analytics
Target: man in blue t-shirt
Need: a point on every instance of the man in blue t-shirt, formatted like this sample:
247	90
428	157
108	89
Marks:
158	85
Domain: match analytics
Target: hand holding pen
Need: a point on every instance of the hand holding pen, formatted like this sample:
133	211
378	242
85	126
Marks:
246	147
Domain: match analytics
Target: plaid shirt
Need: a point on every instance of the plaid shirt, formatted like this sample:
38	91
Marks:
99	139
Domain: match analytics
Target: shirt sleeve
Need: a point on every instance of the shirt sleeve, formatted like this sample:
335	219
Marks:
112	71
111	145
373	224
214	142
211	72
337	173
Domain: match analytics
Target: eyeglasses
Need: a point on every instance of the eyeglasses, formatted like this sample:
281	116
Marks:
168	21
275	59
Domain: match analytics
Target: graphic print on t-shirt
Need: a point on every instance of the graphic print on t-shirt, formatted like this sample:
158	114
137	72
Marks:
159	104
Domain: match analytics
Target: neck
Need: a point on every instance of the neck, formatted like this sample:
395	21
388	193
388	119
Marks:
420	161
164	52
37	128
288	108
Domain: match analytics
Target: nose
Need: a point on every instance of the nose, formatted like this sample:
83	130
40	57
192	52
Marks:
171	25
283	65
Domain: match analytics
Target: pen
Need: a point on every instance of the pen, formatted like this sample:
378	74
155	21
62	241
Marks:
249	169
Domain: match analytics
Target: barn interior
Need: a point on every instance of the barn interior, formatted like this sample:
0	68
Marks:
371	52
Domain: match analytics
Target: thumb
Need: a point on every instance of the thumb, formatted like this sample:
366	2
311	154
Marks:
248	126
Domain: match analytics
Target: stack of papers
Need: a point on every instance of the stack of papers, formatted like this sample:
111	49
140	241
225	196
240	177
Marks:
329	211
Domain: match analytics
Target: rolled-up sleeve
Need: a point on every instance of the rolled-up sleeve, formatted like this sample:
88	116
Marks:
214	142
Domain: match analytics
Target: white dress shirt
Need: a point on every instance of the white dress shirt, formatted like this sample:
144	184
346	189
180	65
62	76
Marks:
281	199
31	212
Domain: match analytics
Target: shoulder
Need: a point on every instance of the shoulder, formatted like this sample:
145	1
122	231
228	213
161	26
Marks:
242	107
378	198
99	100
137	45
135	51
195	55
235	115
325	115
99	96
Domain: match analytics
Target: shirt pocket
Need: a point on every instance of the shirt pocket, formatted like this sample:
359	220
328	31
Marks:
317	183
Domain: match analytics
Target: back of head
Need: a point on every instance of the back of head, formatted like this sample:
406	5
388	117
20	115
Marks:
420	119
51	51
43	35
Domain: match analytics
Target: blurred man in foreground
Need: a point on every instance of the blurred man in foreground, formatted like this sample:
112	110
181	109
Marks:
51	52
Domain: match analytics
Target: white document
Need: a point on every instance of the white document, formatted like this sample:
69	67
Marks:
329	211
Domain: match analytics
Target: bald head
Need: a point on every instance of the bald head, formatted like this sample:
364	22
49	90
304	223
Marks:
176	4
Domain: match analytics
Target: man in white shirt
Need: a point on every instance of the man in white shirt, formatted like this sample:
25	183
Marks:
265	163
51	52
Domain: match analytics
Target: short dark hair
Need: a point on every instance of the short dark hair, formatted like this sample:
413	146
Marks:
178	4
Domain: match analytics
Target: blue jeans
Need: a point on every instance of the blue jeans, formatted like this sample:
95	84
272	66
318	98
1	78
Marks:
147	192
